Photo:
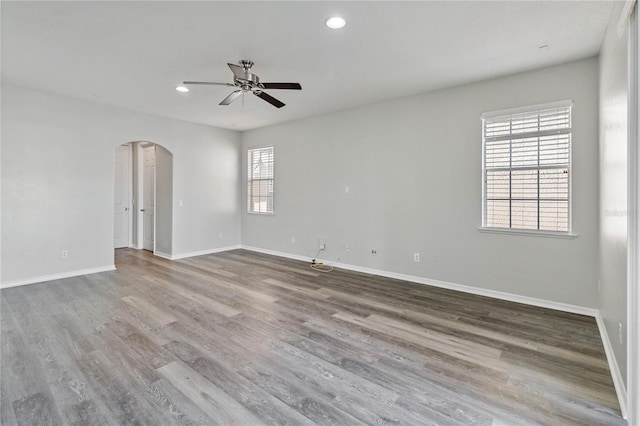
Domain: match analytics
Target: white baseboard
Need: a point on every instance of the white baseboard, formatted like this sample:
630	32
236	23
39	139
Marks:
592	312
162	255
618	381
613	365
277	253
195	253
558	306
44	278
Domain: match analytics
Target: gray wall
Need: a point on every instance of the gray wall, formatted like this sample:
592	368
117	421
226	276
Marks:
57	182
613	187
413	168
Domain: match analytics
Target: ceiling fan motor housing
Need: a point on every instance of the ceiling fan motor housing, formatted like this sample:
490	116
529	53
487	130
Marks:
250	79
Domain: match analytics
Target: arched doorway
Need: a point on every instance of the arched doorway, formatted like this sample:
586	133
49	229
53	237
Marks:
143	197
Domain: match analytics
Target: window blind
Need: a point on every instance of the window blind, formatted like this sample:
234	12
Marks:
260	180
527	169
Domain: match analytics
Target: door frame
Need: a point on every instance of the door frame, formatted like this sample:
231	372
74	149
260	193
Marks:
633	228
136	174
129	181
140	196
130	194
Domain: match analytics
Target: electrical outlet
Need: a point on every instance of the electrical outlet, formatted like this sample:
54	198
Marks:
346	248
220	235
620	332
416	257
65	254
374	252
293	240
321	244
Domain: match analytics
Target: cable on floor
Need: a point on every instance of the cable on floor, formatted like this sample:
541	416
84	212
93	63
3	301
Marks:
320	267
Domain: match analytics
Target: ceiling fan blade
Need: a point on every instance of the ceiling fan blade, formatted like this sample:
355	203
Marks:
290	86
273	101
211	83
232	97
238	71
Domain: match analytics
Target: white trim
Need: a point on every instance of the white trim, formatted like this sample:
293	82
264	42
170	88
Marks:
162	255
517	110
625	14
273	181
633	227
549	304
52	277
618	382
277	253
155	196
139	195
443	284
613	365
497	116
45	278
130	194
547	234
196	253
616	376
128	182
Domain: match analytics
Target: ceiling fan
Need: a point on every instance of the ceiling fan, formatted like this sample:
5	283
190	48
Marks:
246	82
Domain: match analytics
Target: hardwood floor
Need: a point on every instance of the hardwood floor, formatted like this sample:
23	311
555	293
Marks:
245	338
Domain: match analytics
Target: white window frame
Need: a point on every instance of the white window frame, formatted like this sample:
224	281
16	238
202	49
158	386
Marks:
251	179
517	231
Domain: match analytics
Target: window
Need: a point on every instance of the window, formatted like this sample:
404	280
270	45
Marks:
260	180
527	168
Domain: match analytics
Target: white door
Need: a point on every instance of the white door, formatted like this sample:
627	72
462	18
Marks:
121	212
148	197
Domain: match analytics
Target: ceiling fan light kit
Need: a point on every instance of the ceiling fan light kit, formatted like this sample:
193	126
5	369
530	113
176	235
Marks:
246	82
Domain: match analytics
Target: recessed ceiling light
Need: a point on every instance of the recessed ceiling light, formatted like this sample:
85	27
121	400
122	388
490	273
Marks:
335	22
182	89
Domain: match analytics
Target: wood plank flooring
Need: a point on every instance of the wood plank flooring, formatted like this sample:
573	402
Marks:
241	338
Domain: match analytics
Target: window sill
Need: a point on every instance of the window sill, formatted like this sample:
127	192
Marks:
546	234
262	214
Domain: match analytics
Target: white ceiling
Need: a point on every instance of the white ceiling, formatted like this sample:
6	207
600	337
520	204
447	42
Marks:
133	54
